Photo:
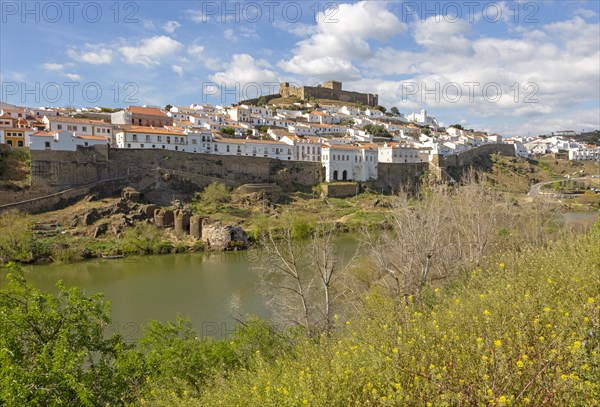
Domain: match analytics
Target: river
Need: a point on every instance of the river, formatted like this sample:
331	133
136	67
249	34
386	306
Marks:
211	289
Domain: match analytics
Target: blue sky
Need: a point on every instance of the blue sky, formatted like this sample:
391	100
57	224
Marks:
515	68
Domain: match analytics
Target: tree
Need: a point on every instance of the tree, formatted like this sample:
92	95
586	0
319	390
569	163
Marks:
419	247
377	130
53	350
457	126
303	280
168	108
395	111
228	130
262	101
263	129
382	109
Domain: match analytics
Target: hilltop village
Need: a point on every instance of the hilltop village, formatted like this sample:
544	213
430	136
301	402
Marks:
349	139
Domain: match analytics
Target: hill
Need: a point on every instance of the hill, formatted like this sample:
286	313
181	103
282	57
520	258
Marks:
516	174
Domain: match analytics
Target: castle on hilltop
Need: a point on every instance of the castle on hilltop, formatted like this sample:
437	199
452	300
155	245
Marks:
330	90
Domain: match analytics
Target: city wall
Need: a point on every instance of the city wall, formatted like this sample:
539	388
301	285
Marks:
61	177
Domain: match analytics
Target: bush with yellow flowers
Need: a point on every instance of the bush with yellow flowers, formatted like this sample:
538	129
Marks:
525	332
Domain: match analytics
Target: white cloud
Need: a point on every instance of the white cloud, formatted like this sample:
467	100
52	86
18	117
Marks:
171	26
299	29
229	34
443	36
149	25
195	50
53	67
585	13
341	37
243	69
73	76
96	55
150	50
177	69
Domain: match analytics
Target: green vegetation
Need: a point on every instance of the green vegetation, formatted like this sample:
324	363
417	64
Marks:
215	193
228	130
15	171
395	111
515	174
520	328
377	130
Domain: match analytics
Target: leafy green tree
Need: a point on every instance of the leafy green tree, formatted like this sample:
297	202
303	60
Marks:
457	126
53	350
262	101
382	109
168	108
377	130
228	130
395	111
263	129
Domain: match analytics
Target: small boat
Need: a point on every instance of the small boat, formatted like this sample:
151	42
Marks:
117	256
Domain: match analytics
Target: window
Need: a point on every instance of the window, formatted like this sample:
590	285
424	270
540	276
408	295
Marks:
194	141
85	144
128	145
47	144
153	146
108	131
84	129
20	143
159	138
134	137
141	145
227	148
147	138
59	126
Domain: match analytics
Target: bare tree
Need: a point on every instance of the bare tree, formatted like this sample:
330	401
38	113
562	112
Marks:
303	280
419	247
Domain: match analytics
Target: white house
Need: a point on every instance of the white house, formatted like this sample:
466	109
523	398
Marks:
62	140
402	153
350	162
252	148
80	126
423	118
587	153
349	111
374	113
152	137
239	114
304	148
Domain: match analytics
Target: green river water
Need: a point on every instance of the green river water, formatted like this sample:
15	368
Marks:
212	289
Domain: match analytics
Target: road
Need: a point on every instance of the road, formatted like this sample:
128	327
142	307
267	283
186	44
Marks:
535	189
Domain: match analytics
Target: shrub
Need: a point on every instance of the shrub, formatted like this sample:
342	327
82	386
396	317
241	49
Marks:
216	193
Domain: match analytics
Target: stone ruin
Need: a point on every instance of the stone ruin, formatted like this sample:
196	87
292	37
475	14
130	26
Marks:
219	237
164	218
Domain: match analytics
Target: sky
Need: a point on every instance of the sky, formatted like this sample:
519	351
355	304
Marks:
515	68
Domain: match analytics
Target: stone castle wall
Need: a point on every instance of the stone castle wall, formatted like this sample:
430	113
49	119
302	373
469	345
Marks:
330	90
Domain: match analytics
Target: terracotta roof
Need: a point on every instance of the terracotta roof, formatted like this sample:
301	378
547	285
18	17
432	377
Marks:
46	133
149	130
149	111
67	119
83	136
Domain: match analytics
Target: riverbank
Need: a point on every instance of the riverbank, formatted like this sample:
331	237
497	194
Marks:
110	227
